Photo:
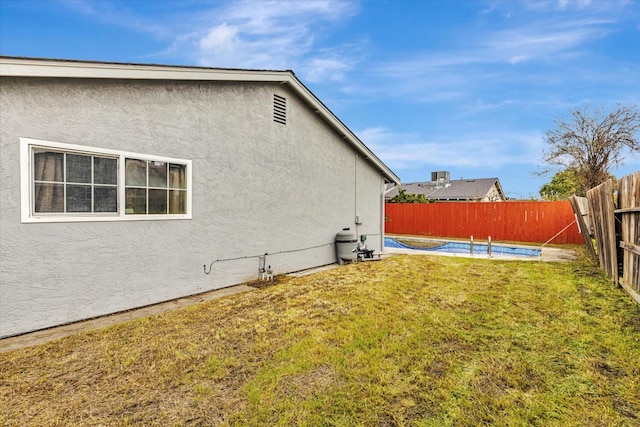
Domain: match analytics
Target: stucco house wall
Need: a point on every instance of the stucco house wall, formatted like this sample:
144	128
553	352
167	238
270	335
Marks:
494	194
257	187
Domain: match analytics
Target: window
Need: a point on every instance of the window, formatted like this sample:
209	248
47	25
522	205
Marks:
64	182
155	188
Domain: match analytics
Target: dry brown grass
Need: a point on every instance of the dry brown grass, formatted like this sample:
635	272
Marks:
411	340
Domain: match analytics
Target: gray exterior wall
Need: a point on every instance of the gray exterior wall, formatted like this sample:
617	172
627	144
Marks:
258	187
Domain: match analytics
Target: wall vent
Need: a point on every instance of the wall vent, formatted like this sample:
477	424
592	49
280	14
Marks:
279	109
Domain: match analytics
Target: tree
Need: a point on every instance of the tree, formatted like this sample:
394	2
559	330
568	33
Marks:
592	142
563	185
404	197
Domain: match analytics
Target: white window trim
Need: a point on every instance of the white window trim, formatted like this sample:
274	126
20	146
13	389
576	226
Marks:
26	185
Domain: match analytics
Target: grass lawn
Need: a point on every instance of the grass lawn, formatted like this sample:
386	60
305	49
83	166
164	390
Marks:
410	340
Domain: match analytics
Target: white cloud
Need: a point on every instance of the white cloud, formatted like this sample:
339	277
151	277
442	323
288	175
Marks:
490	151
268	34
543	40
323	69
229	45
542	45
219	39
114	14
489	9
265	34
564	4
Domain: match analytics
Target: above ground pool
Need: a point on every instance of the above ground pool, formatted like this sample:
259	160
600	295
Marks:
465	248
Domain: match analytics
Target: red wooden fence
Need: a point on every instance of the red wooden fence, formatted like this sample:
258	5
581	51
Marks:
508	221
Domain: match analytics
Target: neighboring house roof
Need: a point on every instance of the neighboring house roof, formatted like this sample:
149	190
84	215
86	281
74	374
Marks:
455	189
42	67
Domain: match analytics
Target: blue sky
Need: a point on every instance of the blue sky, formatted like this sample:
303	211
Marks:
464	86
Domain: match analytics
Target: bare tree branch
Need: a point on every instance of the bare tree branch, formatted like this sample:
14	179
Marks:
591	143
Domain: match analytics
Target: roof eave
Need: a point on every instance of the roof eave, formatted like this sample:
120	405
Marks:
37	67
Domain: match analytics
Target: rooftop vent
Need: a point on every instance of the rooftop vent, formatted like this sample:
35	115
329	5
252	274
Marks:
441	179
279	109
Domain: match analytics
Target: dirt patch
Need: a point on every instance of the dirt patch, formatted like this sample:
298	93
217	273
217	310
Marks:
263	284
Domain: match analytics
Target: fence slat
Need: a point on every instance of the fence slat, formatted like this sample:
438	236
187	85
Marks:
580	207
602	207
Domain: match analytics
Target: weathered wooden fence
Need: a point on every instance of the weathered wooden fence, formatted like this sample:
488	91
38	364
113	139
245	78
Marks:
616	230
508	221
629	211
580	207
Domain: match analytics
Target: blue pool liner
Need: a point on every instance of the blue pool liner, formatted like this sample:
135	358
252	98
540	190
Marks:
465	248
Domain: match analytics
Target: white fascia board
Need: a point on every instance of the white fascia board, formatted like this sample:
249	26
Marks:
33	67
500	190
25	67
